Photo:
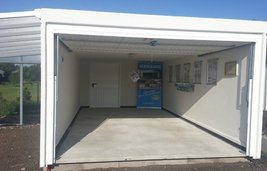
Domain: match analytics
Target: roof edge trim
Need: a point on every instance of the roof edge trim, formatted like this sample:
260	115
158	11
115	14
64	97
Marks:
18	14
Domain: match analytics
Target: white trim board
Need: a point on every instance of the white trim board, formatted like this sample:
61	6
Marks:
53	29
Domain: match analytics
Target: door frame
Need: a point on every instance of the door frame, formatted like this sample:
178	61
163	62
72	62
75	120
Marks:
48	30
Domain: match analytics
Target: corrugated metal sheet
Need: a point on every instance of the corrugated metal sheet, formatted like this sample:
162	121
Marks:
20	40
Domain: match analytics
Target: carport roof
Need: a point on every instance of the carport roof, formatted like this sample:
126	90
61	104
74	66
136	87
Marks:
20	38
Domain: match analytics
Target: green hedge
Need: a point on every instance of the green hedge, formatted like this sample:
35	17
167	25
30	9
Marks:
9	107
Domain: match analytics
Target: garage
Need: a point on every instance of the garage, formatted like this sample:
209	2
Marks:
158	88
111	108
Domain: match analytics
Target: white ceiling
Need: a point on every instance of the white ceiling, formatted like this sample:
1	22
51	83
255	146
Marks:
139	48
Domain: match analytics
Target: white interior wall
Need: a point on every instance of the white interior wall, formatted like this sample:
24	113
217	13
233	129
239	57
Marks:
127	90
221	108
68	91
128	87
84	82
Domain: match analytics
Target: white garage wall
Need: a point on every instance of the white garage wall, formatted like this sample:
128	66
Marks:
127	87
68	92
221	108
84	82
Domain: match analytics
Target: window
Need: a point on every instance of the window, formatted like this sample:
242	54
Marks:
197	72
170	73
178	73
212	71
187	72
19	92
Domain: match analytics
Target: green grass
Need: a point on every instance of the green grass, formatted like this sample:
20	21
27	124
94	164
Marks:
11	91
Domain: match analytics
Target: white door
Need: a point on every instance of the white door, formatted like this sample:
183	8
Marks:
104	85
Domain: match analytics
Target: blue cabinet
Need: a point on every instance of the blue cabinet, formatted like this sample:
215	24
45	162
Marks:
149	92
149	98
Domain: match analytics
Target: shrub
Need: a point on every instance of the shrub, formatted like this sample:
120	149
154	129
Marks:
30	106
15	77
8	107
26	94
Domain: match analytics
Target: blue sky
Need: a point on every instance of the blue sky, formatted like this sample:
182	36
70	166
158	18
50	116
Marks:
234	9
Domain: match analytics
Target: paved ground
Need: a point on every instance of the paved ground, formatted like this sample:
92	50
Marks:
121	134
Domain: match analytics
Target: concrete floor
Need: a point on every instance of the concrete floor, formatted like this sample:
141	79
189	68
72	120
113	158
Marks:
101	135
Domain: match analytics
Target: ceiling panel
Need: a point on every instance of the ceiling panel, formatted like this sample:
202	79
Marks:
91	46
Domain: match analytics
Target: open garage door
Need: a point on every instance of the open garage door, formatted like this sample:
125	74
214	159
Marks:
197	75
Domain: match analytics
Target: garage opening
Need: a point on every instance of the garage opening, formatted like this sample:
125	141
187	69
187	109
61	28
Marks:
102	115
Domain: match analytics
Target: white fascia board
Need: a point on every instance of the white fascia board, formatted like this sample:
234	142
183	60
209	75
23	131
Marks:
151	33
108	19
17	14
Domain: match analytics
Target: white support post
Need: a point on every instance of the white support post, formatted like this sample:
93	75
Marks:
43	97
257	99
50	97
21	95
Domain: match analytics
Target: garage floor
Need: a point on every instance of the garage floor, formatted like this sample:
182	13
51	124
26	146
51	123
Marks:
100	135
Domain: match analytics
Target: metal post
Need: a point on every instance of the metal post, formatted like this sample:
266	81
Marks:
21	95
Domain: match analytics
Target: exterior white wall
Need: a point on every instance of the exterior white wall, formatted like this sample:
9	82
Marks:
68	92
221	108
127	89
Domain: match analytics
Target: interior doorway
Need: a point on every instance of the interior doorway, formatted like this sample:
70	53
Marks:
104	85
